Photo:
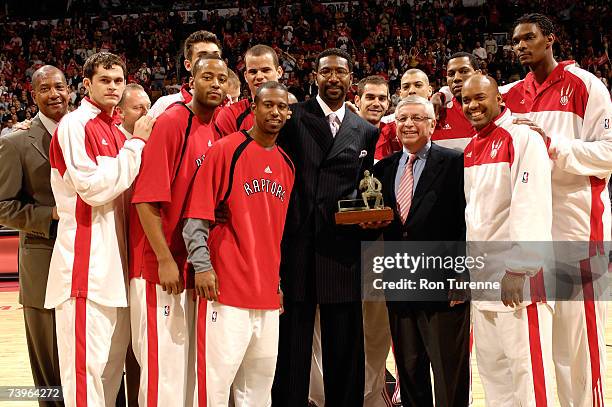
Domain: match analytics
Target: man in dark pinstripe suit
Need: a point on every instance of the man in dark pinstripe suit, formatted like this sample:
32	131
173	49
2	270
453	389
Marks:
331	147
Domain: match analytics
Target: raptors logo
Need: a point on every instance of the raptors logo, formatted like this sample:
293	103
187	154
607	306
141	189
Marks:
495	146
565	95
265	185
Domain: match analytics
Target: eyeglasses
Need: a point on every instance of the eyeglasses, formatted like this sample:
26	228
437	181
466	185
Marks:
340	73
416	118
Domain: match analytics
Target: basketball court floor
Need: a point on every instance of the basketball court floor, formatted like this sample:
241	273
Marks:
15	366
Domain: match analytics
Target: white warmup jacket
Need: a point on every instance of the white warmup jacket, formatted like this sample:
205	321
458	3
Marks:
92	164
574	109
508	201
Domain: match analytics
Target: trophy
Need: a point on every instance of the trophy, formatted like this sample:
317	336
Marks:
370	208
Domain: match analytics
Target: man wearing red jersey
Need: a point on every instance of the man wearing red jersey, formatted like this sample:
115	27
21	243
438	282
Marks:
414	82
453	130
573	109
199	43
237	264
162	313
261	66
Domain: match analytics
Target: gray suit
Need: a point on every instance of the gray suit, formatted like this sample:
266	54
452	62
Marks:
26	203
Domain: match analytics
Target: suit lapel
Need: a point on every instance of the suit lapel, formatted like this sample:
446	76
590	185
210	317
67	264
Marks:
429	174
38	133
317	125
346	134
390	199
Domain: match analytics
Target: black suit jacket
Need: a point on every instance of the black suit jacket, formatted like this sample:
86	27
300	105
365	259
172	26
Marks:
437	212
320	260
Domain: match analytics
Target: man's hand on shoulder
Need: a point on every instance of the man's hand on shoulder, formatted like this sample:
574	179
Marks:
352	107
553	152
24	125
438	100
143	127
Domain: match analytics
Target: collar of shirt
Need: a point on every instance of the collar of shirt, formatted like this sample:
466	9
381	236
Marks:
422	153
327	111
417	167
504	116
49	124
126	133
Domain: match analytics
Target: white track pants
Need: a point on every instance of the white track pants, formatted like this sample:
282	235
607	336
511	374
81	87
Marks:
92	341
162	325
240	347
579	348
513	350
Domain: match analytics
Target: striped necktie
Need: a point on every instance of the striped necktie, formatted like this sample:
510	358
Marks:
404	193
333	124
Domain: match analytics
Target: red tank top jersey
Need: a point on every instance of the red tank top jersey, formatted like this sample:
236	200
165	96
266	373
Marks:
387	143
245	251
455	131
169	162
235	117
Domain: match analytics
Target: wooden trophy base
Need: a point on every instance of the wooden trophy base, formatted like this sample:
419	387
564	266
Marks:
364	216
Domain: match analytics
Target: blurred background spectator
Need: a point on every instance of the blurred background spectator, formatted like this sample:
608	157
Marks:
384	37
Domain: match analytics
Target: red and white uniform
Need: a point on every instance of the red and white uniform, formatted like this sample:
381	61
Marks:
162	324
238	335
165	102
454	131
92	164
508	204
388	142
573	107
235	117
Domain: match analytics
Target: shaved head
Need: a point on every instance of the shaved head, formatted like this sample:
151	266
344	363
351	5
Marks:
485	81
415	83
45	71
417	72
481	100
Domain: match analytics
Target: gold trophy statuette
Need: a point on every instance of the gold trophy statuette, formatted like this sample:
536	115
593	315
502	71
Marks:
370	208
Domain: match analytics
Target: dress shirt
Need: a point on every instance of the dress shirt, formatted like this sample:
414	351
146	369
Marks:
417	167
327	110
49	124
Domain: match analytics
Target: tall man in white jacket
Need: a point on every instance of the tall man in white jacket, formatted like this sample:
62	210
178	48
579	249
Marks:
574	110
92	164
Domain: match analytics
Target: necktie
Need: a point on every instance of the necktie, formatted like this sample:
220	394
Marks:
333	124
404	193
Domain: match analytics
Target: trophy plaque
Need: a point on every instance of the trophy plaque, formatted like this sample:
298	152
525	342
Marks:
370	208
